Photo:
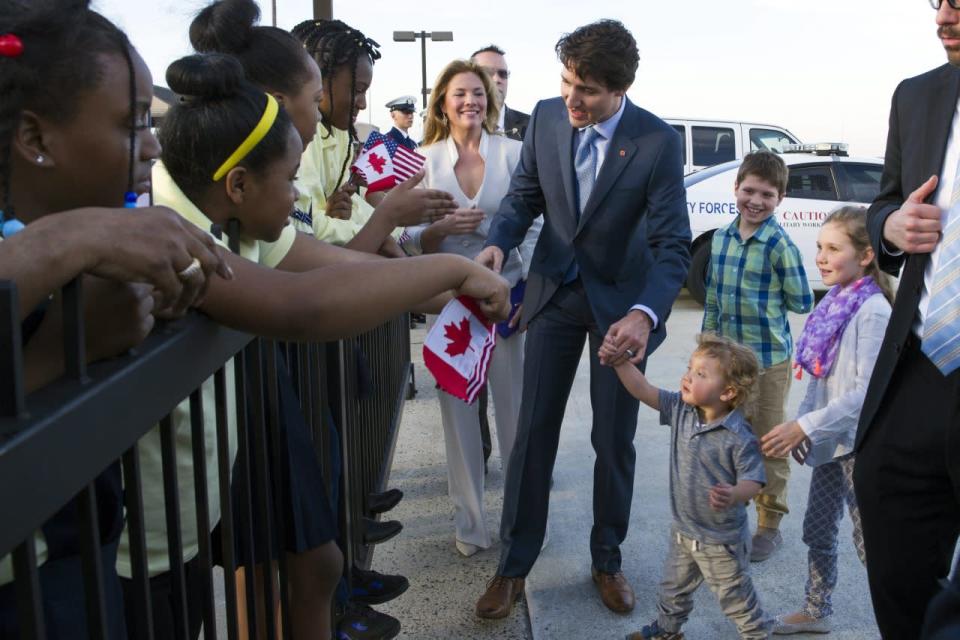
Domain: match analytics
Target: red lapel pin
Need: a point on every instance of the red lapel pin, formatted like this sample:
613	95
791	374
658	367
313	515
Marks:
622	153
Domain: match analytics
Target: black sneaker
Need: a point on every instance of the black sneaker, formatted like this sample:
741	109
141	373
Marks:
371	587
359	622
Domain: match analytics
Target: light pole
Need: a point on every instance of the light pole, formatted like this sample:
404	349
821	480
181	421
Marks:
411	36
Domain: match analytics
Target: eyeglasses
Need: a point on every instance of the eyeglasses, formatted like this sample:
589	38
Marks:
503	74
955	4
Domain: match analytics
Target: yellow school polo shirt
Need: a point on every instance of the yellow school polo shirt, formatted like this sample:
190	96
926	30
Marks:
320	168
167	193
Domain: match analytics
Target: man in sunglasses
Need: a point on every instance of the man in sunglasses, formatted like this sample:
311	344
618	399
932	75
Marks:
401	112
907	475
512	123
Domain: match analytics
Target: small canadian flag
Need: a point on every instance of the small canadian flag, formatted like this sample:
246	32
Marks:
376	167
458	347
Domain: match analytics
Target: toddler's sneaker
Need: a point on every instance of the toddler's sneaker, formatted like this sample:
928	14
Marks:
765	542
654	632
800	622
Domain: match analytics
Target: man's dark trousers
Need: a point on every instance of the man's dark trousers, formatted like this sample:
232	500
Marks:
554	344
907	479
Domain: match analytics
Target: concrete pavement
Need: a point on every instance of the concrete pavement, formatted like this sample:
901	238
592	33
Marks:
562	600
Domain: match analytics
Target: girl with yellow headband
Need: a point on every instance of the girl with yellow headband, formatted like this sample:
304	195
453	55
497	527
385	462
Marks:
277	63
225	128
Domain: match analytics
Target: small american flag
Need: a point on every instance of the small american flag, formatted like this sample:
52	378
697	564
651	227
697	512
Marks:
406	163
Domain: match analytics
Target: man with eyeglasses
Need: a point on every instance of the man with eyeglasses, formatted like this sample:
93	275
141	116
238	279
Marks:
401	112
512	123
907	474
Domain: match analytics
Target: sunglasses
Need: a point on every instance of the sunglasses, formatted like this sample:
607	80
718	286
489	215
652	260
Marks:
503	74
955	4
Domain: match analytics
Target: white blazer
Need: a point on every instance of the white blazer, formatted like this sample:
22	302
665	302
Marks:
500	155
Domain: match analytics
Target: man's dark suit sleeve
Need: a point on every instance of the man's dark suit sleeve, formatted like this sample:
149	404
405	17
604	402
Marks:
668	230
524	201
891	194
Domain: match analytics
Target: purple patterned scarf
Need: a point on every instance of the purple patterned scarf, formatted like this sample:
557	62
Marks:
818	344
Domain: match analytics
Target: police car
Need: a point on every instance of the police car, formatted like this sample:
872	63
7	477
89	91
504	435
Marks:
822	178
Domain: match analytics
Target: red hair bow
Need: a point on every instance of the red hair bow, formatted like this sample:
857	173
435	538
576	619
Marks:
11	46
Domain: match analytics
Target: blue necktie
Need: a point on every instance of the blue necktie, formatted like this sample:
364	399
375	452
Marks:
585	166
941	325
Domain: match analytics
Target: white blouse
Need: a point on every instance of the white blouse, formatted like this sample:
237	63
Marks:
500	155
830	409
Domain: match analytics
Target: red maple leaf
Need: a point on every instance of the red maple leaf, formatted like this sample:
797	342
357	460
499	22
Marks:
459	337
377	162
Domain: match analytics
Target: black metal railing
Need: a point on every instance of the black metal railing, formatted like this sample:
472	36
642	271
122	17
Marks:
56	441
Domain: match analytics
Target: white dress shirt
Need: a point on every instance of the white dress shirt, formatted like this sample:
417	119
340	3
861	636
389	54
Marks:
948	176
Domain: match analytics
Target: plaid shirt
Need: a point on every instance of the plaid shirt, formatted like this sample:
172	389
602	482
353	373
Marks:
750	287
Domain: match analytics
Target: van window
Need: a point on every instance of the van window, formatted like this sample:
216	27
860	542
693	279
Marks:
682	130
769	139
858	182
814	182
712	145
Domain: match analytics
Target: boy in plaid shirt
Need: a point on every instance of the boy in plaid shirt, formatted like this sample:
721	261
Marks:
755	277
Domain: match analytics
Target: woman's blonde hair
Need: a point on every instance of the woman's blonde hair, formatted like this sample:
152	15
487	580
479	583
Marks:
853	220
436	127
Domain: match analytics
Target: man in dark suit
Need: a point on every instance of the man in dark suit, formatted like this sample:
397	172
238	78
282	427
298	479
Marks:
512	123
907	476
401	112
608	178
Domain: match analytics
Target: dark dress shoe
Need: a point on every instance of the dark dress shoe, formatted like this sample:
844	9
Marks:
498	600
384	501
376	532
615	592
372	587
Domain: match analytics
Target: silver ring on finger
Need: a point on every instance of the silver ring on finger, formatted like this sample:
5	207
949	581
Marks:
630	353
192	269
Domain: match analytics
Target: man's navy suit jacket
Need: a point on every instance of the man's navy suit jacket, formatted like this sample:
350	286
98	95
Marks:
399	138
632	240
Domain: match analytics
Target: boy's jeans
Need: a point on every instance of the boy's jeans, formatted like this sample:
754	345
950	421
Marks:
766	411
726	570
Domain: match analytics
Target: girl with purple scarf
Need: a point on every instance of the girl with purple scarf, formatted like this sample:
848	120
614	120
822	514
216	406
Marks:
837	349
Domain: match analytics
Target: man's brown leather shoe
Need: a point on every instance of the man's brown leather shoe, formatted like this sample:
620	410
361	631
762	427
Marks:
498	600
615	591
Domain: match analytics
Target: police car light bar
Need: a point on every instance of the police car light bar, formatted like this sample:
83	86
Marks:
818	148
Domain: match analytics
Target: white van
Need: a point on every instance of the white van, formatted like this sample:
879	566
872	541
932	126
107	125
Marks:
710	142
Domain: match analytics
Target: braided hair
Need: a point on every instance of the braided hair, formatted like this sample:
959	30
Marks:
336	45
62	40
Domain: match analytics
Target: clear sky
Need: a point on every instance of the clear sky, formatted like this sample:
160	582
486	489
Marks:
824	69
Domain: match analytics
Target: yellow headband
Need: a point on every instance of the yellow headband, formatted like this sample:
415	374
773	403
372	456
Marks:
252	140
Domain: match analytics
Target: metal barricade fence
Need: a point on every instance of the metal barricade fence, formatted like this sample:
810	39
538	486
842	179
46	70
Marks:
57	441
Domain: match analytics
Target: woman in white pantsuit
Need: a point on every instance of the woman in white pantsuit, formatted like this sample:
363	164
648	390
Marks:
468	160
